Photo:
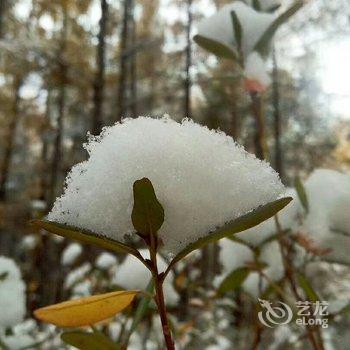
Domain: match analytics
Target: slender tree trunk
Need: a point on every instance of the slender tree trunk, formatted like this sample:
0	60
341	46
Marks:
133	69
188	60
123	59
277	118
2	16
57	151
44	151
10	140
49	257
99	84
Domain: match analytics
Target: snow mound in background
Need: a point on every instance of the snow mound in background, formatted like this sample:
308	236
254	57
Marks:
202	178
255	69
219	26
132	274
12	294
71	254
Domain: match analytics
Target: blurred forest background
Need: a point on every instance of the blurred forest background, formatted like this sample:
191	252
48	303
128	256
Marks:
68	67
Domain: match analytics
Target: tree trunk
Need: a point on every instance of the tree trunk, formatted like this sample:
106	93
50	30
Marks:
99	84
123	59
44	151
188	60
133	69
57	151
2	16
9	141
277	118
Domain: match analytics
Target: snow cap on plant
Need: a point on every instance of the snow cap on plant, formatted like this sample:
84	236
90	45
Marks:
202	178
12	294
220	28
238	28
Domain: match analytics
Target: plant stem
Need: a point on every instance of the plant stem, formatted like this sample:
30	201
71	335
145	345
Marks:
285	250
259	137
159	297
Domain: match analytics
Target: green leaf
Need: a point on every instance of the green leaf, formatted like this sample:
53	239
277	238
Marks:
256	5
216	48
3	276
253	218
85	236
89	341
301	194
237	29
147	214
263	44
142	308
234	280
307	288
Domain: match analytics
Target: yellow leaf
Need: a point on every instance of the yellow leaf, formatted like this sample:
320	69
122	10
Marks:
86	311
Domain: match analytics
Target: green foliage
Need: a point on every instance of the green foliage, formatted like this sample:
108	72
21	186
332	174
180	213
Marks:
142	308
85	236
256	5
147	214
263	45
3	276
307	288
234	280
301	194
253	218
218	49
89	341
237	30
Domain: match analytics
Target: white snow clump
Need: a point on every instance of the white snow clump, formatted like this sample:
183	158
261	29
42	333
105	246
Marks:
202	178
12	294
71	253
255	69
131	274
219	26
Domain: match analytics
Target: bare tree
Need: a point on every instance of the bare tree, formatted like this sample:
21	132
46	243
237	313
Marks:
277	117
124	56
57	151
2	16
188	60
99	83
10	139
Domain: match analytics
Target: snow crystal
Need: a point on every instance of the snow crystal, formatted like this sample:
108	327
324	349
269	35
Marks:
202	178
71	254
255	69
132	274
105	261
12	294
219	26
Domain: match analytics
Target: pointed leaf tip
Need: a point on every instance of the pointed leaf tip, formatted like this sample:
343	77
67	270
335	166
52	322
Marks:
86	311
148	214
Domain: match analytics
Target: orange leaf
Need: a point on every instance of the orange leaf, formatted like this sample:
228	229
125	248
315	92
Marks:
86	311
252	85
